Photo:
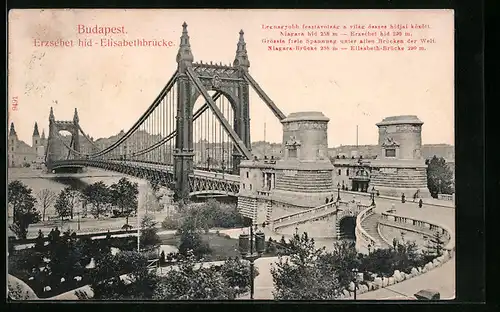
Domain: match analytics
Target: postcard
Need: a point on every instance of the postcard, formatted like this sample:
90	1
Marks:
231	154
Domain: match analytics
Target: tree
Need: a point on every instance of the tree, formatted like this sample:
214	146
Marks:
439	177
74	196
46	198
301	277
150	203
237	274
139	283
124	196
149	232
98	195
190	238
190	282
435	244
23	207
341	261
62	205
66	256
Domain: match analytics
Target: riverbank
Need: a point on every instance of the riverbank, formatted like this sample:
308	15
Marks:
38	180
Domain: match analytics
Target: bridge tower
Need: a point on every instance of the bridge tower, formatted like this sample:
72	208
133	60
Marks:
216	78
399	168
183	154
55	149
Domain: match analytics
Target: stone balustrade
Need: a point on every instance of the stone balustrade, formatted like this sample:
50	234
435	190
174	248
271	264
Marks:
446	197
264	193
303	216
363	239
419	226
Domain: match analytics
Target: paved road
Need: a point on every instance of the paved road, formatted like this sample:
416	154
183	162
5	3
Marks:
441	279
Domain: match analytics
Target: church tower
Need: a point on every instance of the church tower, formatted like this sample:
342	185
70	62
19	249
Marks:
35	140
43	139
12	144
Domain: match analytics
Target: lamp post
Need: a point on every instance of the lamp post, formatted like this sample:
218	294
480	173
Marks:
373	196
355	271
338	192
369	248
78	220
246	247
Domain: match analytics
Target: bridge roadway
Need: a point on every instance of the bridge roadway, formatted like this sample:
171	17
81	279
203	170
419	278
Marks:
159	167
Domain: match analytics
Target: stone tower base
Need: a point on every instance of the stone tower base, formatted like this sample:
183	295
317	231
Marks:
398	191
397	177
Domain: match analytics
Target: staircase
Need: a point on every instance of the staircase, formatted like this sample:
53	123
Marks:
310	215
370	225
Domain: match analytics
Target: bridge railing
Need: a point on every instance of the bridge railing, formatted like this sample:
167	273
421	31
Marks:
306	213
421	226
363	239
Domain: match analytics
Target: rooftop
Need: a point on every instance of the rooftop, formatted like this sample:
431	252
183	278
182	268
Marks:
400	120
306	116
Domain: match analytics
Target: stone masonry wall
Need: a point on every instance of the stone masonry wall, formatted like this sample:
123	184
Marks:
402	178
305	181
320	228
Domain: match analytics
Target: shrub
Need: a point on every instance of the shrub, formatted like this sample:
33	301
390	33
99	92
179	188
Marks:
127	227
170	223
237	274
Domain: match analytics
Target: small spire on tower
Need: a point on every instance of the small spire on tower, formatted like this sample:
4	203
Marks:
12	129
75	117
51	115
43	134
185	56
35	130
241	58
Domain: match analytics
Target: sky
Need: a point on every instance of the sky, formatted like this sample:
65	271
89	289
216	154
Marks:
113	86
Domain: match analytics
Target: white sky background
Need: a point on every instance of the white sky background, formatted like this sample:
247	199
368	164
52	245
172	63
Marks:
112	87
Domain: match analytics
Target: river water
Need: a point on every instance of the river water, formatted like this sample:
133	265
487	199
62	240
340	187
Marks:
38	181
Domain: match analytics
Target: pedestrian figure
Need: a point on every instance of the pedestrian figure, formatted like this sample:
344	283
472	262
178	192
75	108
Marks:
378	193
326	201
331	199
51	235
415	197
403	200
420	203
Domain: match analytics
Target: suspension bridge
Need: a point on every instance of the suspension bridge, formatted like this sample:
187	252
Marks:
192	150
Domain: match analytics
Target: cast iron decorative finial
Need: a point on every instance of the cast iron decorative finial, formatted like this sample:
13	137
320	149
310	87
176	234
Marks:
184	55
241	59
75	117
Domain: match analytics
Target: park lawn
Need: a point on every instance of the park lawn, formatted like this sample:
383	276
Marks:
223	247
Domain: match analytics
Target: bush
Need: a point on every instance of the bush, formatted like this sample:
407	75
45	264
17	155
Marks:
171	223
191	241
237	274
127	227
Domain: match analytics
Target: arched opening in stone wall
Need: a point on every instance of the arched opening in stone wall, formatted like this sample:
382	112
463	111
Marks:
347	228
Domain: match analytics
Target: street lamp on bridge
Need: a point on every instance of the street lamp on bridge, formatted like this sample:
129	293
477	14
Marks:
355	281
246	248
338	192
